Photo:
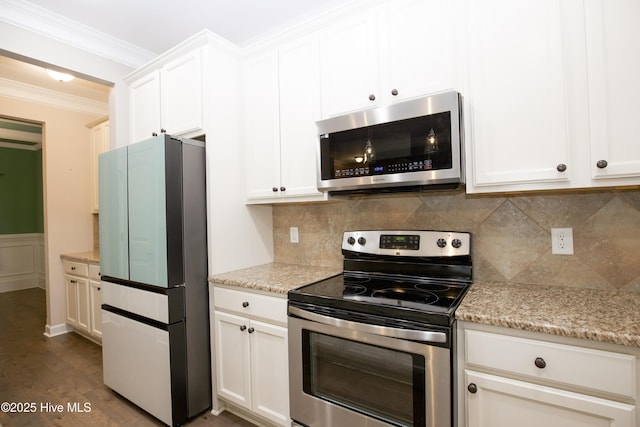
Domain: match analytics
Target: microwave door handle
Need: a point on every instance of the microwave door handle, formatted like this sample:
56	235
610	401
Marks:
386	331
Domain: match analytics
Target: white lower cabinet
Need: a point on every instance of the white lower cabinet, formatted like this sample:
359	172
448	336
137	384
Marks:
251	353
520	378
498	401
95	301
82	293
76	281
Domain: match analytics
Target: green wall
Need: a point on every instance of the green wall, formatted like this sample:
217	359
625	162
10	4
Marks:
21	208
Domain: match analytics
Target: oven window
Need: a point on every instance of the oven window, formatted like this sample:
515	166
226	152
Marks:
379	382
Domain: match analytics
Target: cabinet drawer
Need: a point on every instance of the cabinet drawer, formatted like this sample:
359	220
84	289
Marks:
75	268
251	304
94	272
576	366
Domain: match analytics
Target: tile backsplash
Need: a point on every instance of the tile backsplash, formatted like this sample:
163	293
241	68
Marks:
511	233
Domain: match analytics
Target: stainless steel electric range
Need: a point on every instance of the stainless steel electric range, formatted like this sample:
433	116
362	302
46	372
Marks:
374	345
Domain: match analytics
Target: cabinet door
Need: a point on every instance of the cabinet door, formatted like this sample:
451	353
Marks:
503	402
518	106
349	65
613	58
147	212
233	358
71	296
299	83
182	95
83	303
418	47
99	144
262	127
270	371
95	309
114	223
144	107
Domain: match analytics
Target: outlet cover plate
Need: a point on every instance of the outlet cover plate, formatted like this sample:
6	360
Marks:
562	241
293	235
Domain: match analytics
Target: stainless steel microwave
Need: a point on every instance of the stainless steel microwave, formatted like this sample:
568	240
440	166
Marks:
408	146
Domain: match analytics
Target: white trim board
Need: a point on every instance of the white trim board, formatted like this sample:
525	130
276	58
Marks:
44	22
30	93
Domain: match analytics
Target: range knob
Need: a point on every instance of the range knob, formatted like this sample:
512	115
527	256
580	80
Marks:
456	243
351	240
441	243
362	240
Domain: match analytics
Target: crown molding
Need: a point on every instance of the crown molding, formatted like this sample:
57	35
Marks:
36	19
52	98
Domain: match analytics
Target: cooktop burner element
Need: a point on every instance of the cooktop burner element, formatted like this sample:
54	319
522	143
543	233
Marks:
412	275
401	294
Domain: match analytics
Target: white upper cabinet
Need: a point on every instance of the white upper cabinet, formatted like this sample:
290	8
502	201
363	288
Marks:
144	106
349	65
550	94
182	94
281	107
517	93
99	141
299	82
398	50
417	47
261	126
169	98
613	59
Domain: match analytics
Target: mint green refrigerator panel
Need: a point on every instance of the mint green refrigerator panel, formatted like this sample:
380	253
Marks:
113	220
147	213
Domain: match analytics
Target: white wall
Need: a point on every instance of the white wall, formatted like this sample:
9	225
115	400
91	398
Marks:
67	219
40	48
68	223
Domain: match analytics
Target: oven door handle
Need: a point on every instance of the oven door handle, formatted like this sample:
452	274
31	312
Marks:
386	331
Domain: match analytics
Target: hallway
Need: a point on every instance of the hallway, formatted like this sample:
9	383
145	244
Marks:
63	370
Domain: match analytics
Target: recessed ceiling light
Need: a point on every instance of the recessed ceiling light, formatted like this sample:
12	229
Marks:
61	77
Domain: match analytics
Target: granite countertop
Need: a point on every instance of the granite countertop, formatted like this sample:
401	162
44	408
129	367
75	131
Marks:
599	315
89	256
275	277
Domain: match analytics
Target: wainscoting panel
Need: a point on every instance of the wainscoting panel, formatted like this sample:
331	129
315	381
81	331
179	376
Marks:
21	261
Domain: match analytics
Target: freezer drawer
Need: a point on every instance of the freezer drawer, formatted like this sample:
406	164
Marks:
138	364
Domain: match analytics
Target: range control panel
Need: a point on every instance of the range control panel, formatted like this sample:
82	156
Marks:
419	243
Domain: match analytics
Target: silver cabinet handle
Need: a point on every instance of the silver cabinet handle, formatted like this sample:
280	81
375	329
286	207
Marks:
408	334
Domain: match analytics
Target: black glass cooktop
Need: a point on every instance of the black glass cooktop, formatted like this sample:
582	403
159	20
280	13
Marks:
407	298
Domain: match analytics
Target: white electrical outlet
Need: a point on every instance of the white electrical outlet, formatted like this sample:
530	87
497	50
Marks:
293	235
562	241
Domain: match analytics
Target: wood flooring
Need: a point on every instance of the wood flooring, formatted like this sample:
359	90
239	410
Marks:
43	373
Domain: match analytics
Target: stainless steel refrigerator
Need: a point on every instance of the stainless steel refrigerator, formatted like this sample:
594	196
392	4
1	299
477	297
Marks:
153	261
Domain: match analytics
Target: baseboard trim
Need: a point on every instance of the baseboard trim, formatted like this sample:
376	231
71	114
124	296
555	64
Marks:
55	330
17	284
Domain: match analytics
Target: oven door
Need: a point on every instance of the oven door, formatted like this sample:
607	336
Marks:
345	373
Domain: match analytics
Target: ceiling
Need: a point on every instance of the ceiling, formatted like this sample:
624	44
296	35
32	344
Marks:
35	75
158	25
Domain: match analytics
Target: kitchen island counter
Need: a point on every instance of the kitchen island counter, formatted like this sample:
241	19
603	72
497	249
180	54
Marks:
599	315
274	277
